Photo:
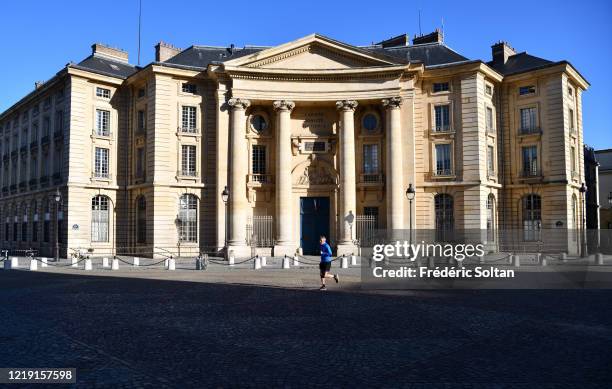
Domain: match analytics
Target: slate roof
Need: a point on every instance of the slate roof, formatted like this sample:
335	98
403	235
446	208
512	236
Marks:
201	56
104	65
428	53
519	63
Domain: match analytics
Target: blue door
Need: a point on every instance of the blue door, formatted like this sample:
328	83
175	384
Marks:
314	222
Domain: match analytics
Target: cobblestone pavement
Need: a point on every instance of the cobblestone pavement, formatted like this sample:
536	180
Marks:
137	329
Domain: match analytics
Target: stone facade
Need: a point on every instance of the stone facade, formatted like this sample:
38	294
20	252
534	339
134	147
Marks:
310	119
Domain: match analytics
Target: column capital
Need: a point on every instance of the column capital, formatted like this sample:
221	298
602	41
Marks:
346	105
237	103
392	102
283	105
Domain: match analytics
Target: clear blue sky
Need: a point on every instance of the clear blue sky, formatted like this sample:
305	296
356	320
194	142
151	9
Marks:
40	37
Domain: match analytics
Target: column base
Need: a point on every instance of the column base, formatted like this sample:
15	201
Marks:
239	251
282	250
346	248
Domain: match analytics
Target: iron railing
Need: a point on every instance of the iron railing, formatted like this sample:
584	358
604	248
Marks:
260	231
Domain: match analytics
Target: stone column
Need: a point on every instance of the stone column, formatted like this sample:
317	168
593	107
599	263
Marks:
394	169
285	242
347	204
237	180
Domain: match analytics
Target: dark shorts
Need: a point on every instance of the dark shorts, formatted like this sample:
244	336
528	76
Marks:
324	267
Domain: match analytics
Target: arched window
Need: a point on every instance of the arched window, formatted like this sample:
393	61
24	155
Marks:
491	218
99	218
141	220
444	212
188	218
532	217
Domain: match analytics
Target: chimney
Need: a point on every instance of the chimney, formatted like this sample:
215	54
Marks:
434	37
165	51
396	41
38	84
501	51
98	49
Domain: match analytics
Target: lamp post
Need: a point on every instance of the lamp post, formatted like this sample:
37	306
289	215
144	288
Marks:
410	193
610	199
58	200
583	244
225	197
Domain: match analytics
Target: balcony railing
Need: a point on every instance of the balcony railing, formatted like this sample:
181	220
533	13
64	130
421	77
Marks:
187	173
101	175
261	178
188	130
529	130
443	172
102	133
532	171
372	178
443	128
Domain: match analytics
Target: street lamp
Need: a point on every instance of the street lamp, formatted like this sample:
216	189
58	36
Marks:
610	199
58	200
583	245
410	193
225	197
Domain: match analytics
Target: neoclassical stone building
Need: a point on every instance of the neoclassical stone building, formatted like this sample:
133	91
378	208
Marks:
313	136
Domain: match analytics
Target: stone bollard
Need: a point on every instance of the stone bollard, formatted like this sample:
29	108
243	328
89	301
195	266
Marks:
285	262
231	260
257	263
14	262
43	262
75	262
344	262
88	265
166	263
33	264
516	261
296	261
563	257
104	262
115	264
264	261
599	259
353	260
171	264
431	263
136	261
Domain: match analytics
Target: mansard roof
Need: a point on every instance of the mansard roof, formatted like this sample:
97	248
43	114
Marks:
518	63
428	53
106	66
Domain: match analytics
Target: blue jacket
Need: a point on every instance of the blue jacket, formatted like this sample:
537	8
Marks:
326	253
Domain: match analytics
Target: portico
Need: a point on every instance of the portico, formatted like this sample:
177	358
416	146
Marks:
302	107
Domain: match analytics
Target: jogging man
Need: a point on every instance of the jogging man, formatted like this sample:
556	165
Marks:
325	264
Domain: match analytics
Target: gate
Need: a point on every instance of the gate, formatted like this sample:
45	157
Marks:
260	231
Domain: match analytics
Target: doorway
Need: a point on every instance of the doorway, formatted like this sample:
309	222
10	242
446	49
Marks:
314	222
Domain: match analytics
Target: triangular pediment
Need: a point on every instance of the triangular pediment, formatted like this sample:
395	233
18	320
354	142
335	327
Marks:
313	52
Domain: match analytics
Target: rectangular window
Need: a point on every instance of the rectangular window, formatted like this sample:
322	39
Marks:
35	231
188	160
189	88
59	121
440	87
573	159
490	127
491	159
102	122
188	117
570	92
572	127
46	126
34	133
141	92
488	90
33	168
259	162
443	159
46	231
442	117
142	123
370	160
140	162
24	232
103	93
528	120
372	212
527	90
101	163
530	161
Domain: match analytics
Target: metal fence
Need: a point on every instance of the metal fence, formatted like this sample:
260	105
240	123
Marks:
366	226
260	231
